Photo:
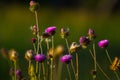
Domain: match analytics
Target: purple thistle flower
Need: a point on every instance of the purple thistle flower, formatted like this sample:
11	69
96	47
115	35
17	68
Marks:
66	58
50	30
40	57
103	43
84	41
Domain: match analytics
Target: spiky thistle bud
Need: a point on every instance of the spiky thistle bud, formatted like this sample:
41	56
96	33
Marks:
34	6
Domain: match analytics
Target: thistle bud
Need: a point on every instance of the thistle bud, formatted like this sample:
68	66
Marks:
19	74
13	55
74	47
33	40
91	34
29	55
34	30
33	6
64	32
84	41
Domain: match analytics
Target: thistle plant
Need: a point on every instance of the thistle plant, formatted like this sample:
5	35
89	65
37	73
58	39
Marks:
48	63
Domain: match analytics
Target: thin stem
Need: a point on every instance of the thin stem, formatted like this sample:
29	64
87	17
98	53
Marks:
100	67
94	52
15	67
43	68
108	56
34	46
39	76
38	37
51	67
37	64
77	65
69	72
71	60
41	47
67	45
47	43
47	70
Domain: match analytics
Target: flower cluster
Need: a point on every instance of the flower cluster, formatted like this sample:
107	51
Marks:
44	60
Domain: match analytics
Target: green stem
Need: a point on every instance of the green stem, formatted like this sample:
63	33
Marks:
41	47
51	67
48	69
100	67
38	37
39	76
34	46
15	67
72	65
37	64
108	56
67	45
43	68
69	72
77	66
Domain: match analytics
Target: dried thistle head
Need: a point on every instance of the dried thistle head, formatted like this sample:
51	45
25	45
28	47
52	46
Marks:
13	55
65	32
115	64
51	53
74	47
29	55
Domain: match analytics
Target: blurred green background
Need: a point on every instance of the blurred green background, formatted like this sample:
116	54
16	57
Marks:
79	15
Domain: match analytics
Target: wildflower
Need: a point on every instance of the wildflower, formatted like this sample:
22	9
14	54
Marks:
40	57
33	40
84	41
13	55
66	58
64	32
103	43
115	64
74	47
33	6
91	34
50	30
29	55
